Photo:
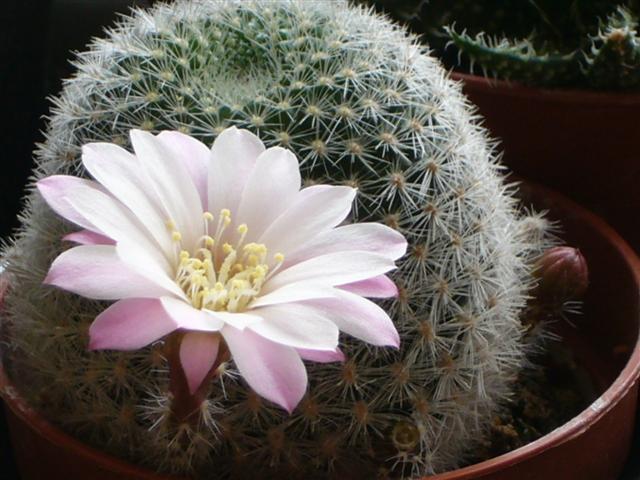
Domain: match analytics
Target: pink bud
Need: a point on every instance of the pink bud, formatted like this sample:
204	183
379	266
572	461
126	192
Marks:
563	275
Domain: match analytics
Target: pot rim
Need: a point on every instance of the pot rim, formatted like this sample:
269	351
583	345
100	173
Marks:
559	95
626	379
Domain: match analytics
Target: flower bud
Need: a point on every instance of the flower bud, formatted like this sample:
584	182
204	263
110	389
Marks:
563	275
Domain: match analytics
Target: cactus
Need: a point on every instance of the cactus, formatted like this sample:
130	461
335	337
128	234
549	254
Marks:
543	42
361	104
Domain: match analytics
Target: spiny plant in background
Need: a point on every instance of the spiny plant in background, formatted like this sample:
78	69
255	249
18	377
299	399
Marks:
360	104
589	44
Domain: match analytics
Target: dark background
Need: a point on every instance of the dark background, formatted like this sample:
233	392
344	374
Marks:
36	37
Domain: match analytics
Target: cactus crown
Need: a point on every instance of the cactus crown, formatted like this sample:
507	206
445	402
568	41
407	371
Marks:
360	104
547	43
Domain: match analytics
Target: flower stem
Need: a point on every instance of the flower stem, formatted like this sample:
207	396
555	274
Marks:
185	406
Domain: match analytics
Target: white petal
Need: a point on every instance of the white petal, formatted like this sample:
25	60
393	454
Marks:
120	173
273	371
298	326
321	356
367	237
172	185
375	287
234	155
56	191
358	317
117	222
194	155
97	271
293	292
309	216
191	318
270	189
333	269
240	321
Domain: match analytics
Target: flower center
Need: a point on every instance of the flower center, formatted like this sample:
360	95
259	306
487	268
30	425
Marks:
223	277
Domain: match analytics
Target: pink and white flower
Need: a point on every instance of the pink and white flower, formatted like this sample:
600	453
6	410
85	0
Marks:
222	244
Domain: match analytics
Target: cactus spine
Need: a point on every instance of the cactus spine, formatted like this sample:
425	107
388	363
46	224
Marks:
360	104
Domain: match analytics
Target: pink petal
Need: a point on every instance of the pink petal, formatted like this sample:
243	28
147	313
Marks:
333	269
359	318
96	271
136	322
293	292
297	326
198	353
57	188
116	221
239	321
309	216
194	155
234	155
120	173
321	356
273	371
367	237
271	187
172	185
376	287
87	237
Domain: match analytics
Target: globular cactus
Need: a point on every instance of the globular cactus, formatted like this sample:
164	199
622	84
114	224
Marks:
546	43
361	104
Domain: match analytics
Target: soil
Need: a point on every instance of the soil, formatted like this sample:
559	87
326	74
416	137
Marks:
546	398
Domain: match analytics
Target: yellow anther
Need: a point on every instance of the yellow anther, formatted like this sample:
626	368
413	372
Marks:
227	249
218	287
225	212
208	216
209	241
176	236
227	221
278	257
243	229
170	225
184	255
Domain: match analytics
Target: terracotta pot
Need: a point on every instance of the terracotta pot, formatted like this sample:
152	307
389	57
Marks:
592	446
582	143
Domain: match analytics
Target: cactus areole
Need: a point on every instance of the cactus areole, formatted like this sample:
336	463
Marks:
386	150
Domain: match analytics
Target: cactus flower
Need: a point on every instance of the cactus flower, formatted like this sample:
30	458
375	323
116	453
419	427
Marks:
222	244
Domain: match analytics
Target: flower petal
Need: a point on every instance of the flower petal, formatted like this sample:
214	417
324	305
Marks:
273	371
321	356
239	321
87	237
234	155
136	322
187	317
194	155
333	269
172	185
56	189
293	292
271	187
98	272
298	326
308	216
359	318
198	353
368	237
376	287
120	173
113	219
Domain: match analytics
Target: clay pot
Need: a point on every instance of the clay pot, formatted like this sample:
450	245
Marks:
592	446
582	143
